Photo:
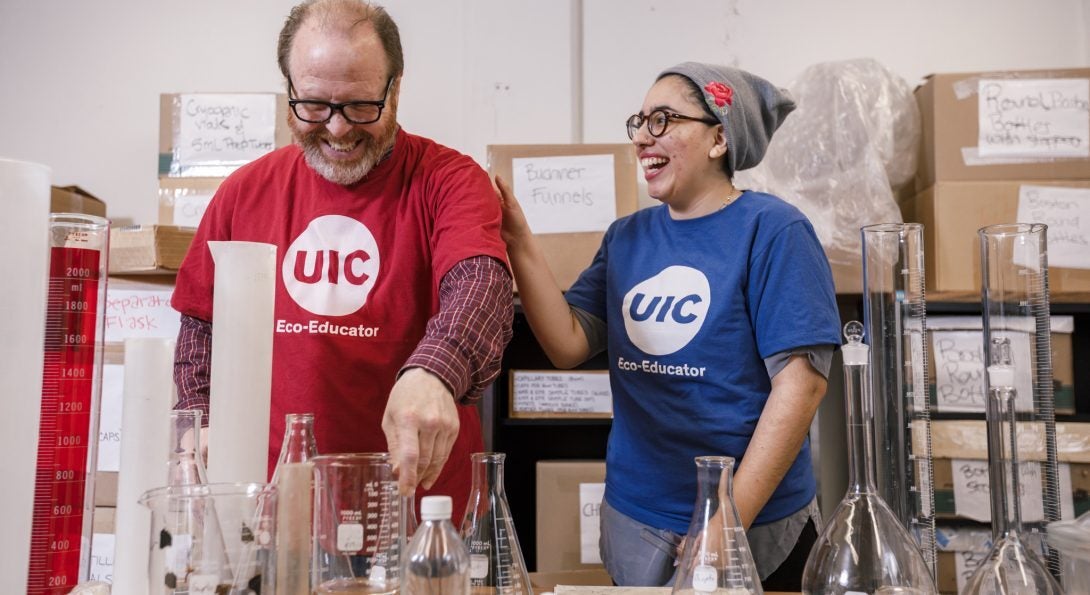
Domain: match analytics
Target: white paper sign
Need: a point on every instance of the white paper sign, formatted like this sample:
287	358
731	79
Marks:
218	129
109	421
959	370
1066	212
971	490
566	194
190	207
140	313
1034	117
562	392
590	504
966	562
1067	496
102	557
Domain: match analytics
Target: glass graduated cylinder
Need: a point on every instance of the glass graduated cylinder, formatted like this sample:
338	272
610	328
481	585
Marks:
864	548
496	562
716	557
895	328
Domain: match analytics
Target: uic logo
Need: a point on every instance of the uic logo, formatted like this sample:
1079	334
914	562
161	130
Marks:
662	314
332	266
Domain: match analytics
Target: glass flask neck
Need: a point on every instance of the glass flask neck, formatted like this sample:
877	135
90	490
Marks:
860	414
299	445
1003	462
714	479
185	465
488	472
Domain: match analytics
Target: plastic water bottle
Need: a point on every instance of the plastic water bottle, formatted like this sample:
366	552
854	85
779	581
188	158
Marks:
438	561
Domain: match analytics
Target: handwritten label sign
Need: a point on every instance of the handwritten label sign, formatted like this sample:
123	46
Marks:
590	503
1034	117
218	132
972	491
1066	212
102	557
561	392
189	208
966	563
109	421
140	313
960	384
566	194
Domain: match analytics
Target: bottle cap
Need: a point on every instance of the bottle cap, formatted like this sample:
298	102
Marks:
435	508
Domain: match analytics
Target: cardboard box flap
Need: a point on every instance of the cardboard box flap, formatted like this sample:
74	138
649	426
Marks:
142	249
73	199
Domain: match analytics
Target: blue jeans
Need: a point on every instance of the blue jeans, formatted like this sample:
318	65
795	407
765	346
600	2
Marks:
634	554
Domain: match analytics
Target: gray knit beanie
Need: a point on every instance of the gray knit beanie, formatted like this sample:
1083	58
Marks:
749	107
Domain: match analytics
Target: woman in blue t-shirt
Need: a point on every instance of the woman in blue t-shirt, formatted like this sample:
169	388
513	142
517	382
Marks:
718	312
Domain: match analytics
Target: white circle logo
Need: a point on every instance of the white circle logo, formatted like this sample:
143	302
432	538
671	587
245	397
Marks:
332	266
663	313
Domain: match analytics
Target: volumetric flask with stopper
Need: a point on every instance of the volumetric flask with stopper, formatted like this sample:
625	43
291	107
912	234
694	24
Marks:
864	547
437	560
358	531
60	541
211	539
895	321
716	556
496	563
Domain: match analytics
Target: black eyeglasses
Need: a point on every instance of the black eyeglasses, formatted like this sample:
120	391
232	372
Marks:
355	112
657	122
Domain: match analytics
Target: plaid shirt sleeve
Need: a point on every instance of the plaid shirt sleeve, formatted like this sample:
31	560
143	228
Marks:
464	342
193	364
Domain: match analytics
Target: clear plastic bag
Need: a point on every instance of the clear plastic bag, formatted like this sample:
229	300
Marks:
838	157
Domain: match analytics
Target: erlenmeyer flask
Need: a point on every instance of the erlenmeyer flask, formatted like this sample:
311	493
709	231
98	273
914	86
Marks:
864	548
299	445
716	558
496	563
185	466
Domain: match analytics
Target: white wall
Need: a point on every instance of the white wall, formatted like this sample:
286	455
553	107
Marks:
79	81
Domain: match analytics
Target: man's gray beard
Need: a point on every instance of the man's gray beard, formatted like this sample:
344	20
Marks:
346	176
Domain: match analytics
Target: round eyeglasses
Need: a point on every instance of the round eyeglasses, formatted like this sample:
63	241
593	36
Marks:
313	111
658	121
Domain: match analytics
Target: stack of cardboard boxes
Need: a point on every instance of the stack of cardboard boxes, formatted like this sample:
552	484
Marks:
1003	147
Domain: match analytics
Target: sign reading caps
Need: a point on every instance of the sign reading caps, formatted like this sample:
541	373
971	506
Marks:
109	422
189	208
959	370
590	504
566	194
1066	212
1034	118
217	132
140	313
574	393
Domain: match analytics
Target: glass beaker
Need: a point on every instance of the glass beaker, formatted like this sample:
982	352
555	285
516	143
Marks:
185	465
358	530
864	548
716	556
211	539
496	562
299	444
1017	343
895	321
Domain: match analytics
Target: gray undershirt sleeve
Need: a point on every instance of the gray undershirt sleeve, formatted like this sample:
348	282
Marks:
820	356
594	328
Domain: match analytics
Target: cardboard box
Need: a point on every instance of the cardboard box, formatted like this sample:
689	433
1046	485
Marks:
182	201
105	488
946	505
73	199
968	439
959	546
148	249
223	123
953	212
949	116
569	253
560	513
105	519
962	360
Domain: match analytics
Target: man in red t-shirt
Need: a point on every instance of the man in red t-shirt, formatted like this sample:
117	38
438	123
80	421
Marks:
393	299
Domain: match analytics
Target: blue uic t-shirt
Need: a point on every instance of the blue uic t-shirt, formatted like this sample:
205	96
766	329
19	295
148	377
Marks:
692	308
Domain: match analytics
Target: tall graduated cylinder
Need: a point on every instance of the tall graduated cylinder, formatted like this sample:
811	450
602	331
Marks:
71	383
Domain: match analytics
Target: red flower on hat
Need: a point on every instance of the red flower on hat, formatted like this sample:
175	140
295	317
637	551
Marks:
721	94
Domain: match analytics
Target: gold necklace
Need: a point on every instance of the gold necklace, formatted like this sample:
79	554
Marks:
733	196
